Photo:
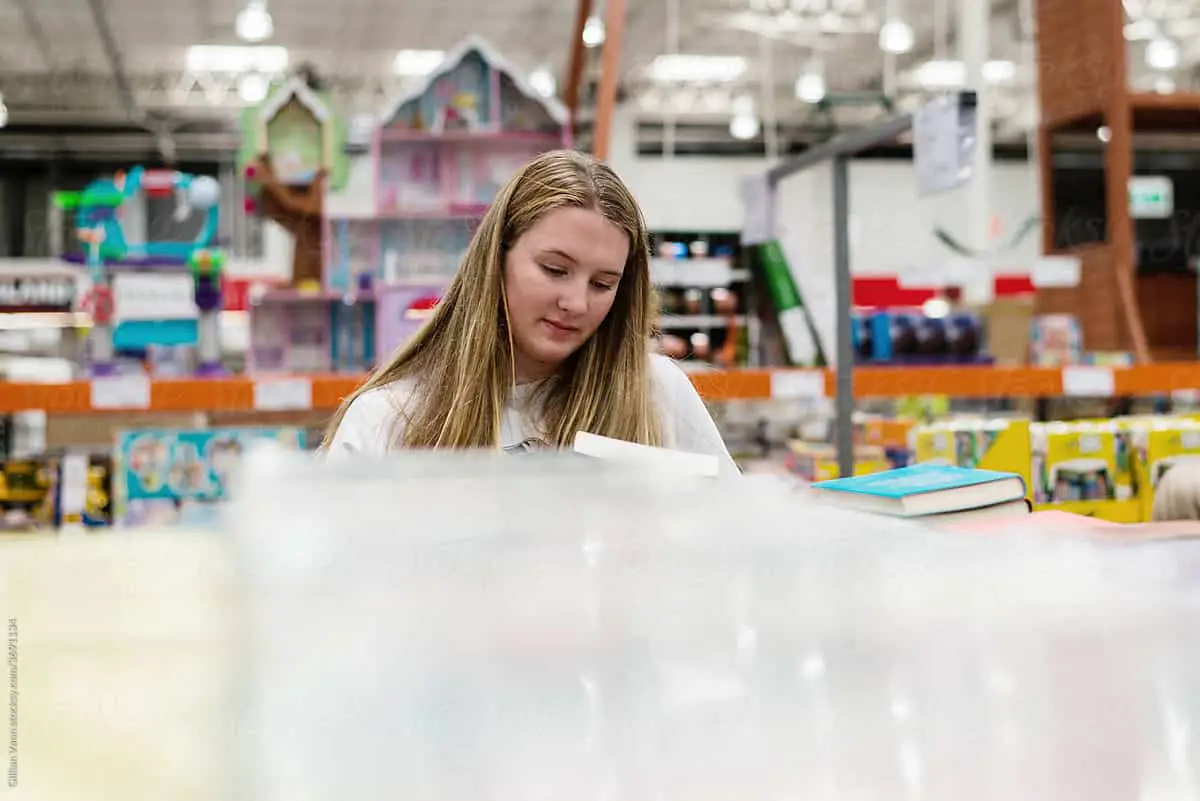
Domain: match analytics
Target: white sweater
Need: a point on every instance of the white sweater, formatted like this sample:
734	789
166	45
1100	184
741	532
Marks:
372	424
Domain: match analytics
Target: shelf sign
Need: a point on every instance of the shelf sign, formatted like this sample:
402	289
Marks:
1151	197
37	294
944	141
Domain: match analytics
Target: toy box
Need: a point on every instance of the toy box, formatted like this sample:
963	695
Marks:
178	475
1084	467
977	443
817	461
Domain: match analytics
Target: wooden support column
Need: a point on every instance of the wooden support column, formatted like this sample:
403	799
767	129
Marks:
610	76
578	61
1083	84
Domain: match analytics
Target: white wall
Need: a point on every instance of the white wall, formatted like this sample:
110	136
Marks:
891	228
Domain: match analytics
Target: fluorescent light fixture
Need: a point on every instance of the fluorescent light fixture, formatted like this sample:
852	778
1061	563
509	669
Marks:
1162	54
253	88
951	74
593	32
896	36
254	23
744	126
543	82
417	63
683	68
810	87
264	59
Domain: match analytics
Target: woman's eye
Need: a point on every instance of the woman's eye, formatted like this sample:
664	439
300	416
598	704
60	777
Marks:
554	270
604	287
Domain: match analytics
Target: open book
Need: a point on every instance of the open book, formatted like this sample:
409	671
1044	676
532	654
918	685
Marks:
664	459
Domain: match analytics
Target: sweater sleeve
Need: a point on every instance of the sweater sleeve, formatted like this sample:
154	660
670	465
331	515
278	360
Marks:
687	424
369	427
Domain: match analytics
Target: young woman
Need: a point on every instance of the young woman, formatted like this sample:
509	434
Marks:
544	332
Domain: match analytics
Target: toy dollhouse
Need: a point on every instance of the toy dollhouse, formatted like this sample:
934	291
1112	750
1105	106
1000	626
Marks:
440	154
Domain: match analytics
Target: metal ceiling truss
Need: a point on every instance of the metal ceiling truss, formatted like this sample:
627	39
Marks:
34	97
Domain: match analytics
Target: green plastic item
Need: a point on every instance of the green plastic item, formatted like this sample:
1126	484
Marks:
800	335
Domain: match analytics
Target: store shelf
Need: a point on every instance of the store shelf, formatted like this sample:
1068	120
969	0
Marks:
325	392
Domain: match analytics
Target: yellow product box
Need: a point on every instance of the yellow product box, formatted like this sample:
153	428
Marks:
984	444
1074	462
817	461
1077	467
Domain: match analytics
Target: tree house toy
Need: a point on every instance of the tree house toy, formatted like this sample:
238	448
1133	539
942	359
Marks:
293	151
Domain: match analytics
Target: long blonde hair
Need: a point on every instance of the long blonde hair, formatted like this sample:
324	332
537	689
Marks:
461	360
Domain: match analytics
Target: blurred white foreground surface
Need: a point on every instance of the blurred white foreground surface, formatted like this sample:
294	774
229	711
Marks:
540	628
543	628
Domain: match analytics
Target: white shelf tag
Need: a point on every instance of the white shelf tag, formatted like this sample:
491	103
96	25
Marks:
1088	382
283	394
121	392
1057	271
798	384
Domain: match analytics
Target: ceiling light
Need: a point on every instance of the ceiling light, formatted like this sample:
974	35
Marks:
264	59
1162	54
254	23
543	82
896	36
810	88
593	32
680	68
744	126
417	63
253	88
1104	133
952	74
3	112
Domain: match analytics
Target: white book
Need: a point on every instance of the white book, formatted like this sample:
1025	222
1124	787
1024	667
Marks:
664	459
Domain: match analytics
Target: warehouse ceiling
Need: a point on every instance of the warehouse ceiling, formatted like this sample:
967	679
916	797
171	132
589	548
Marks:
135	61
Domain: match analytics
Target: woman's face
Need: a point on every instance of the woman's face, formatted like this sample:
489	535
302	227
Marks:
561	279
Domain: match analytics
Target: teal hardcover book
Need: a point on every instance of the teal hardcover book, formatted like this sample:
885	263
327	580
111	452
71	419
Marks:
923	489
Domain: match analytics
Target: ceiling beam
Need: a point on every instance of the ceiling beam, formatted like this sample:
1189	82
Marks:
574	76
116	61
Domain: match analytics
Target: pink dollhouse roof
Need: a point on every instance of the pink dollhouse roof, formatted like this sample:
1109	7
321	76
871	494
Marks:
553	106
294	89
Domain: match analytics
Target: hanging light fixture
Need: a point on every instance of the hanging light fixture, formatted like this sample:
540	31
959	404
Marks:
593	32
810	87
1162	54
744	126
542	81
254	23
896	36
253	88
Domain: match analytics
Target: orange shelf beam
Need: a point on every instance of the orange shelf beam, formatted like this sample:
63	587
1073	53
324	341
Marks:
238	393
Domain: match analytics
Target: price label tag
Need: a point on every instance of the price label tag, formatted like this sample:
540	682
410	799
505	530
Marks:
758	215
121	392
1088	382
283	394
1056	271
798	384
